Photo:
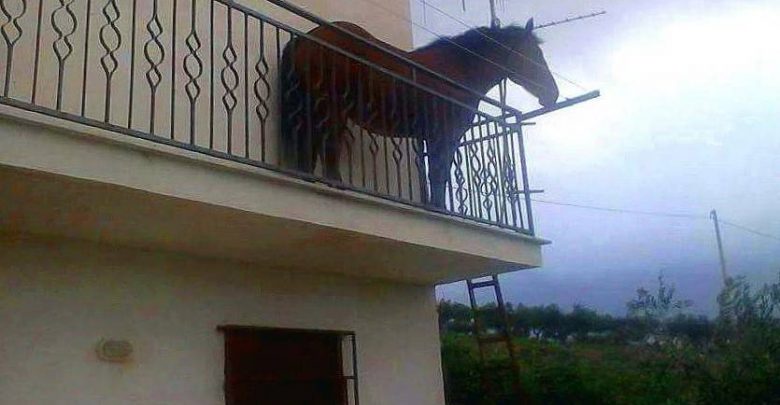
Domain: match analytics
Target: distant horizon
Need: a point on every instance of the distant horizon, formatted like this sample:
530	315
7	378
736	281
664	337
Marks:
485	299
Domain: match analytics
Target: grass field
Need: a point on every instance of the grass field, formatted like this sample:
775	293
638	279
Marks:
656	354
606	373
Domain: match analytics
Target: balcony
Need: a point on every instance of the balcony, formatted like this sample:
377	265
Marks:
157	124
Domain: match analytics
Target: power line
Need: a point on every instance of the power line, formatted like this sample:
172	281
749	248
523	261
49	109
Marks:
471	27
468	50
464	48
656	214
405	19
506	69
621	210
753	231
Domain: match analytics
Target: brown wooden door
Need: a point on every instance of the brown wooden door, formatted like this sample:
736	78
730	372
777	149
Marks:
283	367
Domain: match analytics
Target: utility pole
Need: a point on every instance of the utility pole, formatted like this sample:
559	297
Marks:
714	217
494	21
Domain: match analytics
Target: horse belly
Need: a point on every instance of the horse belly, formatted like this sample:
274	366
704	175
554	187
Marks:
378	105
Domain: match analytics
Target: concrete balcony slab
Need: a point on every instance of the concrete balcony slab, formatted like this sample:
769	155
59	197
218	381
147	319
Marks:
67	180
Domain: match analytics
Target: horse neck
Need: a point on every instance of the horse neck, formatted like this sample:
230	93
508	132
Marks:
474	72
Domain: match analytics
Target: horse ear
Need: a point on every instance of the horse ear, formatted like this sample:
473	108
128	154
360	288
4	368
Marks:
529	26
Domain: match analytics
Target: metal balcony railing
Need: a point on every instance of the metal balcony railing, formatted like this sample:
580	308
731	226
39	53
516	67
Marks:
206	75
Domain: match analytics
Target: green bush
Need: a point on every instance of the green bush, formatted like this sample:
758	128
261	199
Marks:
733	359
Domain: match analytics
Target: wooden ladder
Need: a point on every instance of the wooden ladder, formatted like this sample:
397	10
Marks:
486	338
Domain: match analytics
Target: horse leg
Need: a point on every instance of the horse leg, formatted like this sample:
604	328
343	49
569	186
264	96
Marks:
332	153
306	151
316	130
297	138
438	187
331	129
438	176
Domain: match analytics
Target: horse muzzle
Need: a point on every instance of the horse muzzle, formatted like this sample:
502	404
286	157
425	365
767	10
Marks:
549	100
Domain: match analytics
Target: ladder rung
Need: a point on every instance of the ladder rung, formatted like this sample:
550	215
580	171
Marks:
492	339
482	284
498	366
484	310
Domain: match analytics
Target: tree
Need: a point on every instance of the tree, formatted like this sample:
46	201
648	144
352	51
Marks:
659	307
454	317
741	309
583	320
748	345
698	330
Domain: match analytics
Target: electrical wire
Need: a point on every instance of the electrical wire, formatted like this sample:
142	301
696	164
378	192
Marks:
446	39
621	210
508	70
464	48
753	231
471	27
656	214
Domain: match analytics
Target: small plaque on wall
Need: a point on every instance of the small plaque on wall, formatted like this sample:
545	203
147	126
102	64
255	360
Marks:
115	350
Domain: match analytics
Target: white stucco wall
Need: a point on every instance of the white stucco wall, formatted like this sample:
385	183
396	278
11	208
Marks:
58	298
388	22
165	112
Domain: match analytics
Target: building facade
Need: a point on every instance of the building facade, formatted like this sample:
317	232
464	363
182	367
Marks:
142	234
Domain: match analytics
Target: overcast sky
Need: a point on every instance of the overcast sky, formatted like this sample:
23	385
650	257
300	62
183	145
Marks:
689	120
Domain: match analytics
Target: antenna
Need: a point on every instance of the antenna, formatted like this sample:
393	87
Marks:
570	19
494	21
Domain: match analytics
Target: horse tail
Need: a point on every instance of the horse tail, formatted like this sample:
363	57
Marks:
292	108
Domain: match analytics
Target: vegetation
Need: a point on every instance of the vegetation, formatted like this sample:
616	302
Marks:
657	354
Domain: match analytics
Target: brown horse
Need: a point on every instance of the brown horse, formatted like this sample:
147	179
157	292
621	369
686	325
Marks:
324	90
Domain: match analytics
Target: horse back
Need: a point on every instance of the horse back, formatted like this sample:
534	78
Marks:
376	99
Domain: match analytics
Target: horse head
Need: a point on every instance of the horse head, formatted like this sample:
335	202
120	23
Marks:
525	60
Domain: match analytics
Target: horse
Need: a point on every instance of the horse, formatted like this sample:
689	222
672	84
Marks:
323	91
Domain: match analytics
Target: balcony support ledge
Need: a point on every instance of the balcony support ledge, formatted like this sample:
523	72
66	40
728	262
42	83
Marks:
70	180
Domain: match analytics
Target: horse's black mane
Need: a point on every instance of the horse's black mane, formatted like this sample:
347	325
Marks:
474	39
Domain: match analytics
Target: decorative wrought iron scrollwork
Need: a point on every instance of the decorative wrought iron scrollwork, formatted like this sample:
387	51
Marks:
11	32
193	68
293	99
461	192
509	180
229	78
62	45
397	130
111	40
434	153
63	21
262	90
347	104
473	150
417	138
395	121
321	111
154	52
490	188
371	109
